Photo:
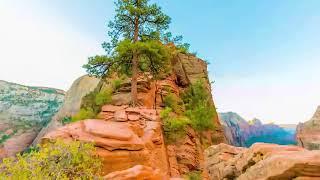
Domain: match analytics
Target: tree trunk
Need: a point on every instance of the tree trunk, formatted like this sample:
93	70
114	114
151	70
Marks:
135	61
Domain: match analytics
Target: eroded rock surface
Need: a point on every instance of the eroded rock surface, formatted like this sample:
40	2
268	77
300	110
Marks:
308	133
71	103
124	137
262	161
136	172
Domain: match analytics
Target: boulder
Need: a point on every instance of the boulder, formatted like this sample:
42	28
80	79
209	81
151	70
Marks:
308	133
261	161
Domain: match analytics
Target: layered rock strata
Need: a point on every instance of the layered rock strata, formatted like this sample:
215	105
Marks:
126	137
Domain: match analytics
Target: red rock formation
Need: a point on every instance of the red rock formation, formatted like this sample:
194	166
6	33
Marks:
17	143
262	161
137	172
126	137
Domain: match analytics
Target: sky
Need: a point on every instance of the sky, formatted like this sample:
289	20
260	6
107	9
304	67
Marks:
264	55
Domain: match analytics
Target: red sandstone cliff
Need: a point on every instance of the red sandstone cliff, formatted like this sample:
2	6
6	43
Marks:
126	137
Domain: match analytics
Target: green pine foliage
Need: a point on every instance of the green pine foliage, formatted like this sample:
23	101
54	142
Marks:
59	160
198	112
199	108
174	126
152	54
172	101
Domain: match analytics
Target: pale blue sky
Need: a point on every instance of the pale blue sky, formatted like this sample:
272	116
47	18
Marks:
263	54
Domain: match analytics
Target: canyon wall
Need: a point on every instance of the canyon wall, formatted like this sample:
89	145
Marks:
239	132
24	110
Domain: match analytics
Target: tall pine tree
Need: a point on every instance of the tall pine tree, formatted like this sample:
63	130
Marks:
135	39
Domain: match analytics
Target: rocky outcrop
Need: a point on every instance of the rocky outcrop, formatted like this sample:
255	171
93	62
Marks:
71	104
126	137
262	161
239	132
308	133
24	111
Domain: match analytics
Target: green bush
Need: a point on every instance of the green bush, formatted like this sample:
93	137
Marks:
83	114
194	175
59	160
66	120
116	83
199	109
174	126
103	97
4	138
173	102
89	101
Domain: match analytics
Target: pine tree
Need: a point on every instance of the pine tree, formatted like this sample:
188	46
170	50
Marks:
135	42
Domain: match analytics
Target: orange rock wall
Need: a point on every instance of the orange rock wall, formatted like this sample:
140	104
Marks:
126	137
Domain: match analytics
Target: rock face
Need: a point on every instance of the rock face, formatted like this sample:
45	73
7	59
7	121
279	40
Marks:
71	104
23	112
262	161
126	137
136	172
239	132
308	133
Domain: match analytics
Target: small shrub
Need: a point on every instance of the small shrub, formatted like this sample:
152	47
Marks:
89	101
194	175
103	97
66	120
174	126
172	101
4	138
199	109
59	160
83	114
201	117
116	84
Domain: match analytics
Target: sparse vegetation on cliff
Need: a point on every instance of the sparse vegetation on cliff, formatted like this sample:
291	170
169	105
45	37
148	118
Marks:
193	110
174	126
59	160
87	113
199	108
